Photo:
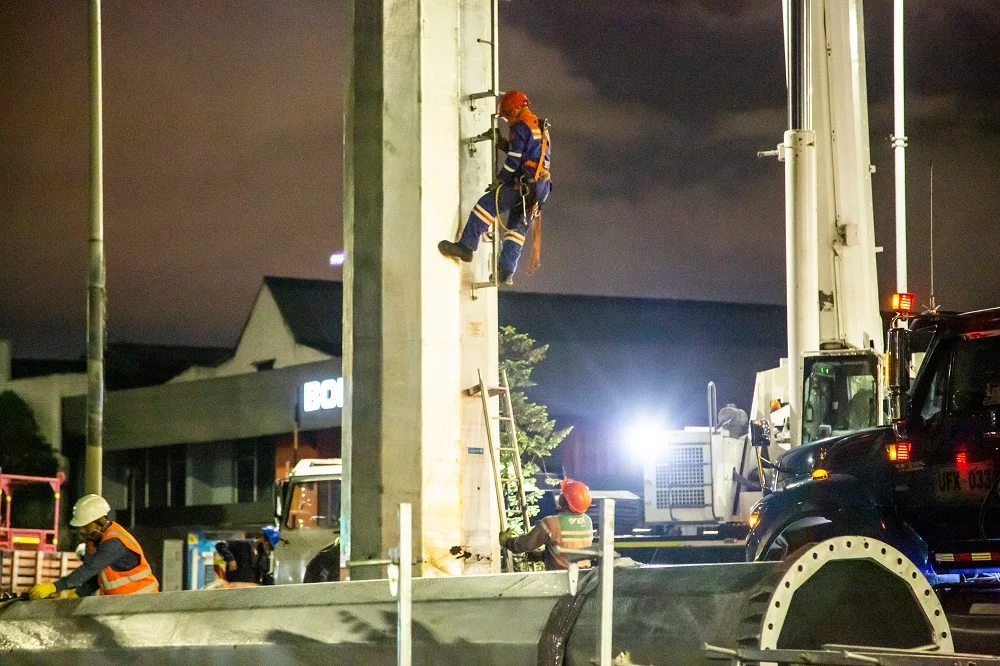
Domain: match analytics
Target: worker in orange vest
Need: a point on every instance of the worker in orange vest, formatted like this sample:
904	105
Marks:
571	527
113	563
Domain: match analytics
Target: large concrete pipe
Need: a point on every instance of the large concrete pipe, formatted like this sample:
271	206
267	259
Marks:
848	590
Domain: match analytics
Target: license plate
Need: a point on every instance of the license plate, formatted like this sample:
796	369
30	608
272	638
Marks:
965	482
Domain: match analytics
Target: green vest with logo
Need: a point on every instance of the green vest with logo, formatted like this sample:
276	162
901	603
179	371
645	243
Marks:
576	530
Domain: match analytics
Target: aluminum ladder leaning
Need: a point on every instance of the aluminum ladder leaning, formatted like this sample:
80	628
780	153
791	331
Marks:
503	484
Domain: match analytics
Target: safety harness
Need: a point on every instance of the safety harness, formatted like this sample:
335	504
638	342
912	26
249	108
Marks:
526	188
528	191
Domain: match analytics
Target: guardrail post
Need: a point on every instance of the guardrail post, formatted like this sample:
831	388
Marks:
404	600
607	535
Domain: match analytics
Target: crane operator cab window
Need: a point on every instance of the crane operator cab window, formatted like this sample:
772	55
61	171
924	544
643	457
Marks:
313	504
976	373
934	400
840	395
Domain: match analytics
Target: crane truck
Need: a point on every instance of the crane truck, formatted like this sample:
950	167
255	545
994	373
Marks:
908	456
701	481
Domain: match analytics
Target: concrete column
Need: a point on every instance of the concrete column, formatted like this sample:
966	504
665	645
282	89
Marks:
407	184
479	324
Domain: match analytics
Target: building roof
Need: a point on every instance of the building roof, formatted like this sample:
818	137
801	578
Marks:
312	309
23	368
133	365
128	364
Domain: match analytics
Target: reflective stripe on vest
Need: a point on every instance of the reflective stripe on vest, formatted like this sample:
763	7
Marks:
138	580
577	530
572	530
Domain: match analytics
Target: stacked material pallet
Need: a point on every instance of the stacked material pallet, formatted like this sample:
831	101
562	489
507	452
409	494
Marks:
20	569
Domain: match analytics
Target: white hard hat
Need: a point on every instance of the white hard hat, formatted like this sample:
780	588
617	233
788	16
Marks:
88	509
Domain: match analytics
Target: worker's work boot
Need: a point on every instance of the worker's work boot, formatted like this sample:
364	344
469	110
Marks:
455	251
506	278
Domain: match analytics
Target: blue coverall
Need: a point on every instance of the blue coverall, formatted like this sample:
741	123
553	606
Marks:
521	165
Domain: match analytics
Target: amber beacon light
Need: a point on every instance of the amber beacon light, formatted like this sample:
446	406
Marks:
902	303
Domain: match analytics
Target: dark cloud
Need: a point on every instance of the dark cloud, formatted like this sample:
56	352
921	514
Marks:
688	58
222	132
705	83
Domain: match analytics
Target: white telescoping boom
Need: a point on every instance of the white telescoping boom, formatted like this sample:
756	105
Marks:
832	380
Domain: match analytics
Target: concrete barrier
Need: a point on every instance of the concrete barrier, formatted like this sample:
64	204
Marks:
847	590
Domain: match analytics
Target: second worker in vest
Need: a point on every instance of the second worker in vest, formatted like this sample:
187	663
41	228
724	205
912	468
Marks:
522	186
571	527
114	562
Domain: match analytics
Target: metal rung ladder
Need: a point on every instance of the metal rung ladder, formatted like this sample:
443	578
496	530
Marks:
501	483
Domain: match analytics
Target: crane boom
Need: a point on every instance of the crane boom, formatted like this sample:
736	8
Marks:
849	311
831	381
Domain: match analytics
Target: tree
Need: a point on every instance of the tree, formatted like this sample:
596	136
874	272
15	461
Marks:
23	450
537	435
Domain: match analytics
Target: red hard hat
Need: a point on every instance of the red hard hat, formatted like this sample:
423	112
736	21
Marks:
576	494
512	101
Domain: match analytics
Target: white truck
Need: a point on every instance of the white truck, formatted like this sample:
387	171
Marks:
307	509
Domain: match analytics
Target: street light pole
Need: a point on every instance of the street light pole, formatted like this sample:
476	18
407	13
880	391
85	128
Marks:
96	294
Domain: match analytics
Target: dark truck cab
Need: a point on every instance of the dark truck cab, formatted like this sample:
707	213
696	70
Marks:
927	484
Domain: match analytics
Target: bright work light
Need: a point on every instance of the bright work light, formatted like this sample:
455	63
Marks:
643	436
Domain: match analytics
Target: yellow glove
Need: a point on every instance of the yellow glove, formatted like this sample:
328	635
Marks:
506	536
41	591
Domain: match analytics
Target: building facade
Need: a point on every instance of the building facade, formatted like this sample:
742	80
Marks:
196	438
201	452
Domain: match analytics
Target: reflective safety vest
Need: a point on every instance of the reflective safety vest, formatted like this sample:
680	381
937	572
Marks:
575	530
139	580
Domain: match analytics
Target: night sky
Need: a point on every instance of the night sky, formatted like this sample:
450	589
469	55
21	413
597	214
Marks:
222	135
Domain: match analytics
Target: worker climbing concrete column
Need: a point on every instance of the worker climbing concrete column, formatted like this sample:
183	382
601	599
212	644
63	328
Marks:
521	187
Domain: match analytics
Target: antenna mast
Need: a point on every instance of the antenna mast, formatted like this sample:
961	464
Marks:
933	302
899	145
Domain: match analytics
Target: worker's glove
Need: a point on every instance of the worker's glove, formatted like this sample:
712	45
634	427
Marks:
41	591
506	536
231	565
500	140
494	186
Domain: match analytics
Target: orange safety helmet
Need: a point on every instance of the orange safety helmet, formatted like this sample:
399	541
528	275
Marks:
511	102
576	494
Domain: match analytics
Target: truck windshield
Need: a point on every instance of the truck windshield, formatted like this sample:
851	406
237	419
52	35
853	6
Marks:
975	376
313	504
840	396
